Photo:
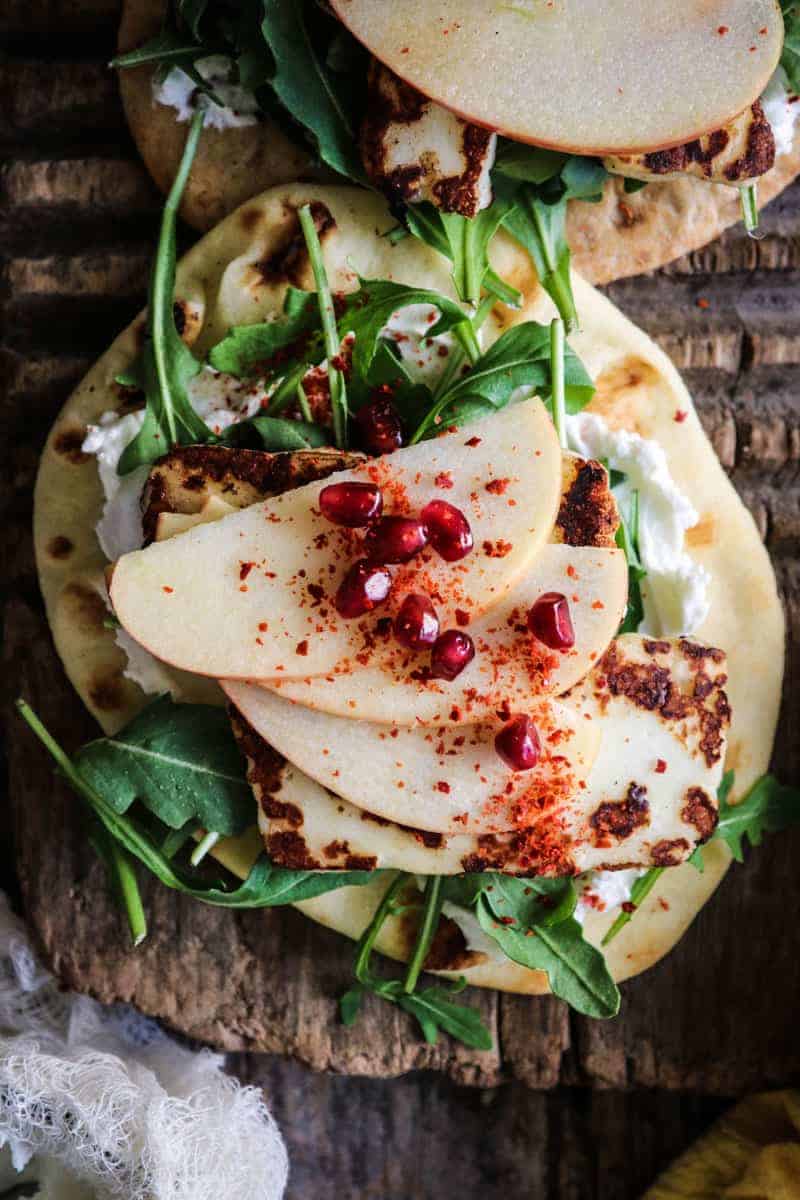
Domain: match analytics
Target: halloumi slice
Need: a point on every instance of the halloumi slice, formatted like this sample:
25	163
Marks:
649	698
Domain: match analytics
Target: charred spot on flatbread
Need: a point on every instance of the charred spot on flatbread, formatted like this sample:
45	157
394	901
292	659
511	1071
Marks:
288	261
69	442
60	547
106	689
448	950
85	606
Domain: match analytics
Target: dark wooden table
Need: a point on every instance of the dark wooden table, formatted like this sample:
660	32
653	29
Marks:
77	218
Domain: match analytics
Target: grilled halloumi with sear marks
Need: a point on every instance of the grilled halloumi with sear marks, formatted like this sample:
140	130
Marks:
414	149
184	480
739	152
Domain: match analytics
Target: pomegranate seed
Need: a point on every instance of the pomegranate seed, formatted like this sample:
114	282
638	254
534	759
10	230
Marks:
416	625
549	620
351	504
448	530
451	652
518	743
363	588
378	426
395	539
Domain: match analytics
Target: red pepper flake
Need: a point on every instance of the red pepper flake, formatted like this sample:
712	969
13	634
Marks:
752	49
497	486
444	480
498	549
506	920
463	618
628	907
443	351
723	29
661	766
702	302
455	714
404	50
598	604
663	904
263	626
244	570
473	442
168	590
573	574
441	786
243	587
302	648
680	415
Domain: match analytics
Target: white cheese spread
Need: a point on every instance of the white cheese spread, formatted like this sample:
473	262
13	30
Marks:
676	590
781	108
178	90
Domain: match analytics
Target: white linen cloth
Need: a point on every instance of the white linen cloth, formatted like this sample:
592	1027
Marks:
99	1103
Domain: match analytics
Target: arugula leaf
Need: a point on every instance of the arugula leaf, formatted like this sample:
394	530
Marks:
790	55
306	86
165	365
520	357
576	971
265	886
539	226
529	164
433	1007
465	241
367	311
767	807
627	538
167	48
534	901
180	761
537	211
275	433
250	349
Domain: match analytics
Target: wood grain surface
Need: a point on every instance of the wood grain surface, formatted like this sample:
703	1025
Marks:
77	217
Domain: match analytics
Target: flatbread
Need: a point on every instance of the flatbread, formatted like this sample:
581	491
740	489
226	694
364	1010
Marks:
638	389
625	234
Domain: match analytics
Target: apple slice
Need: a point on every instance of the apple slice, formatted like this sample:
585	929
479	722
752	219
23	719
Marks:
650	796
509	666
443	780
250	596
610	77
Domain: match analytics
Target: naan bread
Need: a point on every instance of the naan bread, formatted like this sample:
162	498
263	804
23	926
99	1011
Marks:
638	389
625	234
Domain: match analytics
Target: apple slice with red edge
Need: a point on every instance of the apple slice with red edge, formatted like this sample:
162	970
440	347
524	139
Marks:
446	781
252	595
610	77
509	665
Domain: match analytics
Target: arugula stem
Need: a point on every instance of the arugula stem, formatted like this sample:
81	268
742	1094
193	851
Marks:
427	929
160	294
748	196
557	372
370	934
302	402
454	364
329	327
177	838
465	332
286	391
202	848
128	887
639	892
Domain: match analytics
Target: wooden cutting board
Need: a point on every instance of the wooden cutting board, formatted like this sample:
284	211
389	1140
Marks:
77	217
